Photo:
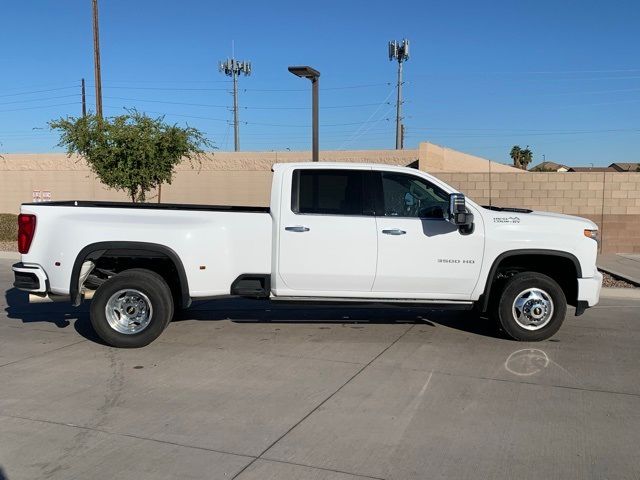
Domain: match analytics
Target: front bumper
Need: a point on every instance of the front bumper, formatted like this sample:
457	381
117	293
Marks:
30	278
589	289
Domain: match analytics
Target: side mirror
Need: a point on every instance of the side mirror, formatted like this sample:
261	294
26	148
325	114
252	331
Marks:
458	214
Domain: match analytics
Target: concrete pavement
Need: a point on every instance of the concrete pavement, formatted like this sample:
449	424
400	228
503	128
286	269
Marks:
254	391
623	265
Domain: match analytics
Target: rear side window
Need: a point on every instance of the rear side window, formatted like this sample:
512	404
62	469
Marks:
328	192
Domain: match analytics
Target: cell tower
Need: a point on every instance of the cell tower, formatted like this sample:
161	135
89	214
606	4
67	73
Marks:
232	68
400	52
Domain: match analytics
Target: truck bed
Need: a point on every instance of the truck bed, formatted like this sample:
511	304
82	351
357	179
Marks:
151	206
214	243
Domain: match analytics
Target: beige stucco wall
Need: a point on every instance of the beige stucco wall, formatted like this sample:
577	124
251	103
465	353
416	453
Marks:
435	158
222	178
610	199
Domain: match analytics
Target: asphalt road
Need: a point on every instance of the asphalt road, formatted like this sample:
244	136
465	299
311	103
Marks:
254	391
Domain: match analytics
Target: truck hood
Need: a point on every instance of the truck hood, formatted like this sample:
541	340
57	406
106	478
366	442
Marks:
506	215
560	216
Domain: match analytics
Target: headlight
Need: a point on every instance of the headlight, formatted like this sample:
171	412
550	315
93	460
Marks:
593	234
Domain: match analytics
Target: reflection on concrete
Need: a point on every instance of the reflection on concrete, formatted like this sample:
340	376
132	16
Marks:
526	362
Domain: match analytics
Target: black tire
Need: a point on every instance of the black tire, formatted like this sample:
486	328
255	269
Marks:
160	301
503	307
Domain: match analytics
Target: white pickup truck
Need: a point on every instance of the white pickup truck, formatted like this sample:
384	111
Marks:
334	232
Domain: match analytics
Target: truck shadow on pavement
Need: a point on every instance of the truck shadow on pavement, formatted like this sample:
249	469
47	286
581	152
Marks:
240	310
62	315
255	311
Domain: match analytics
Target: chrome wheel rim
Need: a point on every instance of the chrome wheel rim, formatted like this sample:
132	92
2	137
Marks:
129	311
532	309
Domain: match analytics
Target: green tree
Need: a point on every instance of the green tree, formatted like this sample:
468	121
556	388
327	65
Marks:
521	157
516	153
131	152
526	156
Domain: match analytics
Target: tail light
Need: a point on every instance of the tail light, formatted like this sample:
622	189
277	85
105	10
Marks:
26	230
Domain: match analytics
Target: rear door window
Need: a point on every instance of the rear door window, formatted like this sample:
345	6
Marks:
328	192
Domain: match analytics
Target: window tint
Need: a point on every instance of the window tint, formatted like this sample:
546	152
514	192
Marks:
409	196
331	192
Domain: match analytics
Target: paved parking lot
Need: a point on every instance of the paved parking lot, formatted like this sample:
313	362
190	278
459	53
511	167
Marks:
246	390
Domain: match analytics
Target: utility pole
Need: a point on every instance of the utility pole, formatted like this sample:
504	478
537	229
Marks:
400	52
84	101
232	68
96	59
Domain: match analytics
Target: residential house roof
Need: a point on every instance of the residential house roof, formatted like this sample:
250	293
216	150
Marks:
625	166
549	167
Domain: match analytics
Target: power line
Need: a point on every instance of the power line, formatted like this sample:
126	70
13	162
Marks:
415	129
248	107
171	81
38	91
384	117
38	99
593	92
358	105
169	89
346	87
199	89
544	134
199	117
303	126
355	135
208	105
521	130
40	107
244	123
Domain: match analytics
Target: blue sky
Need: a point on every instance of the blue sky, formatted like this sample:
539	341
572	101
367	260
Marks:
560	76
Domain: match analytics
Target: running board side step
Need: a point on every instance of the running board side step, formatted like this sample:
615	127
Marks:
435	304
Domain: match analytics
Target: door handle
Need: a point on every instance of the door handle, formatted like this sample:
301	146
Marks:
297	228
394	231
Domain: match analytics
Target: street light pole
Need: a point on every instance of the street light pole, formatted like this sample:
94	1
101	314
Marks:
315	151
313	75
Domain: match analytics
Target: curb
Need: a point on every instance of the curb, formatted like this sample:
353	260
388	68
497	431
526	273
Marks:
9	255
622	276
630	293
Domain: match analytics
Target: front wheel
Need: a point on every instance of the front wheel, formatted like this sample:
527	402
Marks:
531	307
132	308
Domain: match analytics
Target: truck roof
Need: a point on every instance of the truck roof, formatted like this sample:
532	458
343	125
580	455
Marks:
384	166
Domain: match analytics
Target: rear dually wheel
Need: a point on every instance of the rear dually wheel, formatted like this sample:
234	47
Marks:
132	308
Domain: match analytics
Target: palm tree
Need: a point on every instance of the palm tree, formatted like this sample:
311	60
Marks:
526	156
521	157
516	155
